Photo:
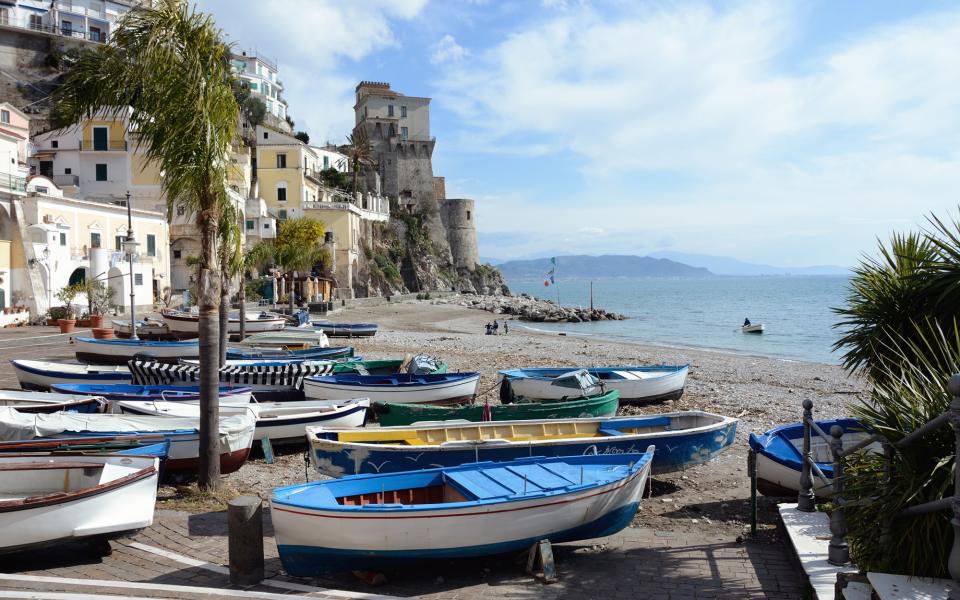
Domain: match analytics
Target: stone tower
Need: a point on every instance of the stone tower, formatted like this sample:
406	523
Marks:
458	216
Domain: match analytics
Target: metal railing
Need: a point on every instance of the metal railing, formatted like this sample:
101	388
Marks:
112	145
12	183
838	551
93	36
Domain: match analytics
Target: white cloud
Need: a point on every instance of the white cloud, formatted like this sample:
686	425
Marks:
312	39
447	50
810	150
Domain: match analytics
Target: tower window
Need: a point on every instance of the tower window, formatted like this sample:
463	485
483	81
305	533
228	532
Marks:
389	110
468	215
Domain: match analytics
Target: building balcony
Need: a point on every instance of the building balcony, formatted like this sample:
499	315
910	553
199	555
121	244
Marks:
12	183
65	180
109	146
51	29
81	9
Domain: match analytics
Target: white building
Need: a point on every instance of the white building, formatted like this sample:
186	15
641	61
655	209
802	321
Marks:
83	20
261	77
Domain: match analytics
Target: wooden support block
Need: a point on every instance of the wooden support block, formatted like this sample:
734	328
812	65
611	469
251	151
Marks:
267	448
541	554
245	530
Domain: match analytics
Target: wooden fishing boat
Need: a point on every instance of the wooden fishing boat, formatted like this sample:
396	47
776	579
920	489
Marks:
280	353
420	365
45	402
41	374
262	376
346	329
572	383
377	521
185	325
52	499
635	384
444	388
147	329
235	432
755	328
778	453
229	394
137	445
119	351
278	421
297	336
390	414
682	439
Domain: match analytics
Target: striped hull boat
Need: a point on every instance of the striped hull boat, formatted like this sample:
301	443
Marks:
40	375
277	376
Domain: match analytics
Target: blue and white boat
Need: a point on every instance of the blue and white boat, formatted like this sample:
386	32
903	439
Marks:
376	521
779	456
346	329
45	402
267	352
229	394
404	388
635	384
119	351
41	374
682	439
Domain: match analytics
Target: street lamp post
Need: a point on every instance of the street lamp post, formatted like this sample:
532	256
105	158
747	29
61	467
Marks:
130	248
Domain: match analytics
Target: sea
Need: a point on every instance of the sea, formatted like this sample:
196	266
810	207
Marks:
707	313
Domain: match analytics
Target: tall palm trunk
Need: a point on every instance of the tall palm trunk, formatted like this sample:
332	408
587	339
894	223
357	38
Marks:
243	306
209	292
224	320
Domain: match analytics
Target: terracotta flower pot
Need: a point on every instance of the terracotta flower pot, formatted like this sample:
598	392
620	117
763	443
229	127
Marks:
103	333
67	325
96	321
83	322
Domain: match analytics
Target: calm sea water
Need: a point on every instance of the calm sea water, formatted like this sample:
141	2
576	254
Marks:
707	313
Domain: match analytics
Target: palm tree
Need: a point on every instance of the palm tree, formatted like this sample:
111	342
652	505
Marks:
230	256
360	153
253	257
299	246
167	65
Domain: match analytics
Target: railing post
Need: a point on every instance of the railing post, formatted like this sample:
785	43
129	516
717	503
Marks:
953	562
805	498
838	553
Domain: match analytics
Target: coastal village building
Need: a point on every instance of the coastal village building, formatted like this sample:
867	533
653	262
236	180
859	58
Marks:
260	75
83	20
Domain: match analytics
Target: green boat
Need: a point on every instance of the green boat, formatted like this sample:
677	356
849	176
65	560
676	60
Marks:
391	414
378	367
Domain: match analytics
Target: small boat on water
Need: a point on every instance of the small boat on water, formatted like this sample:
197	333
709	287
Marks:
298	338
53	499
346	329
438	388
45	402
235	431
119	351
125	391
185	325
682	439
377	521
278	421
148	329
779	456
755	328
635	384
41	374
390	414
280	353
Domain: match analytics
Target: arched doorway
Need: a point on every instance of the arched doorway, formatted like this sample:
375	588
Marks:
79	275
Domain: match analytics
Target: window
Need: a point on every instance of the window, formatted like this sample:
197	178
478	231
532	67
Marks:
403	111
281	194
177	254
68	171
55	144
101	172
119	239
468	215
42	189
253	86
66	27
266	225
94	240
389	110
249	224
4	116
151	245
4	20
266	135
138	279
46	168
100	137
282	215
326	162
36	22
63	239
404	133
96	35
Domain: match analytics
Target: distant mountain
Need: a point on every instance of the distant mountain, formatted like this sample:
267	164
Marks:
486	260
724	265
597	267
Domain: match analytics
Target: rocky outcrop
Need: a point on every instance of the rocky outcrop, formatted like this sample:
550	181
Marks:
528	308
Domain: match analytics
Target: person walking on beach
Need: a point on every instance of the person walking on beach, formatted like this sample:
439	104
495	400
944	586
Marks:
489	329
496	327
506	328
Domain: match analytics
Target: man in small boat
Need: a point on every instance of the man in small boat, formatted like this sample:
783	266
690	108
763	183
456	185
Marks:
746	322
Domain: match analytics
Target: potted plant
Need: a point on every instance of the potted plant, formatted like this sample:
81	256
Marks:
67	296
55	314
100	299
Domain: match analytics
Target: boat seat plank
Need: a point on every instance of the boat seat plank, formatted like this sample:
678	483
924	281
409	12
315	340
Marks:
478	484
619	427
540	477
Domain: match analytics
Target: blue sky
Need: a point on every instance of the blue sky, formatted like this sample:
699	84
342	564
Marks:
789	133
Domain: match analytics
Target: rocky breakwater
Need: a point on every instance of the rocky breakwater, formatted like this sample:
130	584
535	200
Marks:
528	308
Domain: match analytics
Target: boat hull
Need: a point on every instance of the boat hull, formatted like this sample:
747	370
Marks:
44	402
392	415
458	391
187	326
666	386
753	328
40	376
676	449
348	330
119	351
228	396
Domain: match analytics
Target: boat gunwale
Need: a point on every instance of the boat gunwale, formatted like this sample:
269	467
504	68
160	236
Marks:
138	342
322	381
668	371
84	371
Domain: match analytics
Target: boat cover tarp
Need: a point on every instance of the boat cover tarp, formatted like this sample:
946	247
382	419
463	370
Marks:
149	372
15	425
421	364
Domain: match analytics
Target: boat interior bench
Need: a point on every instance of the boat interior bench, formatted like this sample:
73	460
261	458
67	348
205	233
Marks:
632	426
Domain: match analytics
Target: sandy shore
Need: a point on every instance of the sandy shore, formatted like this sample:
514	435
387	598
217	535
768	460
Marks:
761	392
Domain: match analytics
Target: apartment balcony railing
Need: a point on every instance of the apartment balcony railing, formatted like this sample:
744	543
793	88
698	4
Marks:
81	9
12	183
91	36
109	146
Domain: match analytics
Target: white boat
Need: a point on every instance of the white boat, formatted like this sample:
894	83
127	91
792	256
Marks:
278	421
149	329
635	384
574	383
49	499
119	351
754	328
236	433
41	374
288	337
186	325
403	388
47	402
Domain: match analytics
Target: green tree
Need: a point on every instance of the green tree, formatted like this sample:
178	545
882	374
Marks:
335	178
360	153
303	136
254	110
299	246
170	66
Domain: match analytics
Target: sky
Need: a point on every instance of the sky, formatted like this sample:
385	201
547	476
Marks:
787	133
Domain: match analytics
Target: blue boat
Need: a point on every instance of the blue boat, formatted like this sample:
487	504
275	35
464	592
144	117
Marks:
331	353
229	394
411	388
779	454
346	329
682	439
119	351
377	521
